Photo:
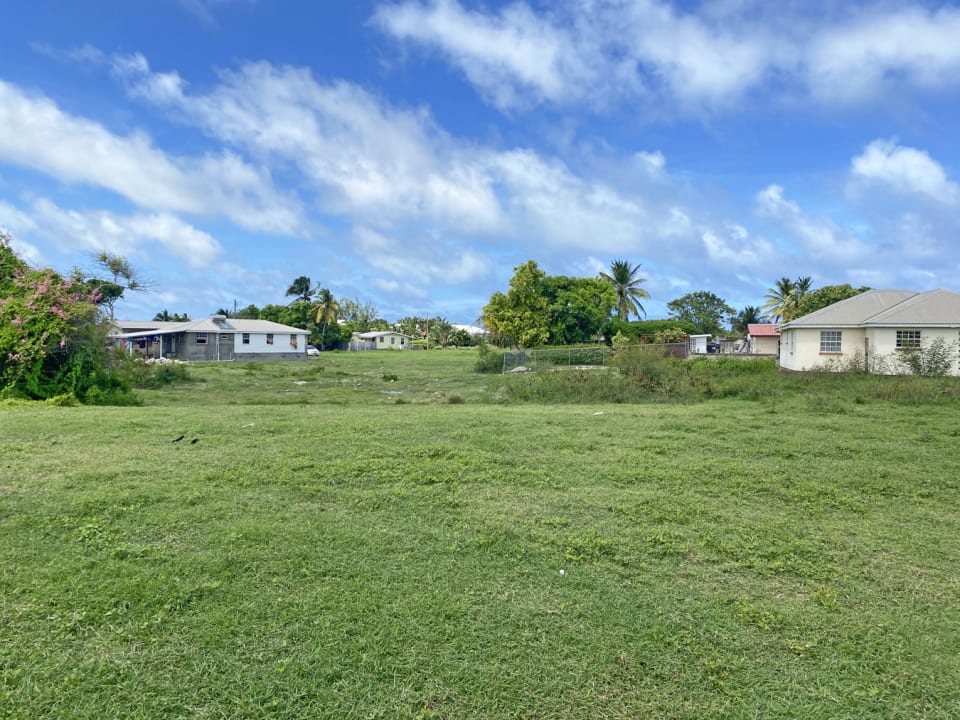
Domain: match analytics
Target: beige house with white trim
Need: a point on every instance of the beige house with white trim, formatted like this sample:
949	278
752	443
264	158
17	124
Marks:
384	340
870	329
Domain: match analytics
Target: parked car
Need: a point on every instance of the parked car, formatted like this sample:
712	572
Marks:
713	347
313	350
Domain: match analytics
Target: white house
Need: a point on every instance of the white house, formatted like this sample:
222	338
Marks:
383	340
217	338
763	338
870	329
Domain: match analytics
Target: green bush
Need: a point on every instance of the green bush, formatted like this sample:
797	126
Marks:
152	376
488	359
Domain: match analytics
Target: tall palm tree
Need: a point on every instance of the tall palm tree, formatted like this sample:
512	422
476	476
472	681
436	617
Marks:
302	289
781	301
327	309
627	284
750	315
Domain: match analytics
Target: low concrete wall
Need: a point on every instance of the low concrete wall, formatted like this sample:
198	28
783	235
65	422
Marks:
258	357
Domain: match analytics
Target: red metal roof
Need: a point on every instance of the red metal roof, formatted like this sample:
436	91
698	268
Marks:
763	330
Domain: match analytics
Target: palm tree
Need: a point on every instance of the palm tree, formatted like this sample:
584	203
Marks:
750	315
781	301
627	285
302	289
327	308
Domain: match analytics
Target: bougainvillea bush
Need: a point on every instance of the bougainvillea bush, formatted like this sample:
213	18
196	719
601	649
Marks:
51	344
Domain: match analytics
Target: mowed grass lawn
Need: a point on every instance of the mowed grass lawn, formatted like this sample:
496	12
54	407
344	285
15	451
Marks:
340	543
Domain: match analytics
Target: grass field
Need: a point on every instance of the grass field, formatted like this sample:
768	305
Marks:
377	535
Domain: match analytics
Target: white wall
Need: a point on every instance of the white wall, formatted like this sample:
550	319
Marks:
800	348
258	343
883	346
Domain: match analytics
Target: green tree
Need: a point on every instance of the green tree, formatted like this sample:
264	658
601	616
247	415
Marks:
780	300
297	314
440	330
750	315
250	312
113	276
412	326
326	308
360	316
166	316
704	310
827	295
627	285
579	308
301	289
461	338
521	314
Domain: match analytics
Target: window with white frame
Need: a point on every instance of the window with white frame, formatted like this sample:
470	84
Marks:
201	338
293	341
246	338
269	338
831	341
908	339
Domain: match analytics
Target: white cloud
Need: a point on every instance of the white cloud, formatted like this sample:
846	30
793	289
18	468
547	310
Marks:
433	263
736	249
361	156
507	56
36	134
655	53
877	48
138	234
16	224
905	170
818	237
393	167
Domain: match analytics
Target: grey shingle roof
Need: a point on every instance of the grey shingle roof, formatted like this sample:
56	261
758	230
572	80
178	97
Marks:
932	308
887	308
851	312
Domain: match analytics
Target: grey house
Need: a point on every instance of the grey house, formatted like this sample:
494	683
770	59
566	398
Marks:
213	339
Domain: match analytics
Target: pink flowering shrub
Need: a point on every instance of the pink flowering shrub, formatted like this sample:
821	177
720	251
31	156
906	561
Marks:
50	343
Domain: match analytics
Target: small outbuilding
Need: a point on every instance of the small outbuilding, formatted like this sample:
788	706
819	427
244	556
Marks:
763	339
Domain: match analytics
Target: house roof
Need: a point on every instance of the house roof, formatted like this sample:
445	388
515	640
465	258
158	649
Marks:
207	325
935	307
763	330
852	312
887	308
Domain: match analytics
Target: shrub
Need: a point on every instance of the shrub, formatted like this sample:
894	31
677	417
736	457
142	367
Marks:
931	360
488	359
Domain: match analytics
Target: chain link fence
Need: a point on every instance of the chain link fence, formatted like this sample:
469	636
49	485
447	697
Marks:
538	360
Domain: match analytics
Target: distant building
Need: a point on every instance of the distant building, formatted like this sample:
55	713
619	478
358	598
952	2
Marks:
217	338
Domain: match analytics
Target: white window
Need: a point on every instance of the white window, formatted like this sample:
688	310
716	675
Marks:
246	339
402	340
393	340
269	338
293	341
201	338
908	339
830	341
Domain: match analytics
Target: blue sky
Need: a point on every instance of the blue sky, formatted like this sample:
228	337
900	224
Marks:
411	153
